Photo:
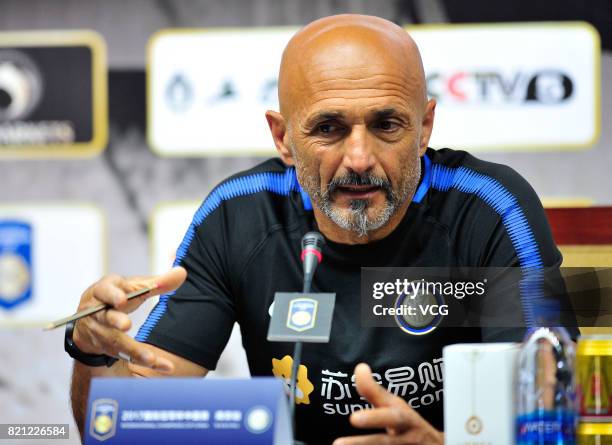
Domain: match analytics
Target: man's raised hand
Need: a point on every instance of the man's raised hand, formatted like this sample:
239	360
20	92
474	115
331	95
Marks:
402	424
105	332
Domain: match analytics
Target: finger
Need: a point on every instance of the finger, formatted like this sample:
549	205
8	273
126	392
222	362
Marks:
119	344
109	291
394	417
117	320
113	289
171	280
369	388
159	284
368	439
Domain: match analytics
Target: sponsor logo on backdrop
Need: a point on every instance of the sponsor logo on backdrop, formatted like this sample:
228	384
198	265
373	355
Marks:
15	263
53	93
21	90
20	85
492	87
229	89
179	93
103	424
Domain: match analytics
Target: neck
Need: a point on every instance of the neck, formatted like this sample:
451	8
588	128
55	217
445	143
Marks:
335	233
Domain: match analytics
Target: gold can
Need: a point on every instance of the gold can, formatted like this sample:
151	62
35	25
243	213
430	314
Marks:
594	434
594	378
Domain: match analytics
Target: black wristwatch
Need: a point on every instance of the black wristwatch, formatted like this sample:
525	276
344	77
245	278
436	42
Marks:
83	357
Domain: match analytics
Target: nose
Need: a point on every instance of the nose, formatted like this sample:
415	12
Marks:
358	154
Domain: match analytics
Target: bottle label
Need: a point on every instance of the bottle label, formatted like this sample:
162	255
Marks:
546	427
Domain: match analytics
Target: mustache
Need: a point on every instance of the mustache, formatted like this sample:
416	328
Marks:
352	178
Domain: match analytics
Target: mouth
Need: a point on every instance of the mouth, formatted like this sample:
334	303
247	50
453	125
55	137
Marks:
358	191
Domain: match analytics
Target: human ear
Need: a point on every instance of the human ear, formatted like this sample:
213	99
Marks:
427	125
278	128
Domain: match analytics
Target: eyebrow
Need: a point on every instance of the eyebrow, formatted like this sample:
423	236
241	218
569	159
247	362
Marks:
385	113
381	114
324	116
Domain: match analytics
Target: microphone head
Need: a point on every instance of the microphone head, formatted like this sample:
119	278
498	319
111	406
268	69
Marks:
313	240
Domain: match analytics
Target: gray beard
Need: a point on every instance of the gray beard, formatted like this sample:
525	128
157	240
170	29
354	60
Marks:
357	219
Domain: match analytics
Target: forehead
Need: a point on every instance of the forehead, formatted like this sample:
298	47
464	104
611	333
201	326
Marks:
359	75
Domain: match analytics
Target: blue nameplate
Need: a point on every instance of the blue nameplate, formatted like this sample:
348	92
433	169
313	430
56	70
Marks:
187	411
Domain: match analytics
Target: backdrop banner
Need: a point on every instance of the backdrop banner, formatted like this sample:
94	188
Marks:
53	94
520	86
49	254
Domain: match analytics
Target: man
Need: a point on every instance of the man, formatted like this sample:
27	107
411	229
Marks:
352	135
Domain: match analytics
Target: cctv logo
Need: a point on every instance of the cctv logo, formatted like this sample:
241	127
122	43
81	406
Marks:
20	85
545	87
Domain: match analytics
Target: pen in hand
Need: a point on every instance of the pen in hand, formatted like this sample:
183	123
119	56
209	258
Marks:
94	309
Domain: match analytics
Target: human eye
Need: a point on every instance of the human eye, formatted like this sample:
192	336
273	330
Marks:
387	125
328	128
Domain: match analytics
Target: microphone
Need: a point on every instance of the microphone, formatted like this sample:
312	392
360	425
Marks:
311	256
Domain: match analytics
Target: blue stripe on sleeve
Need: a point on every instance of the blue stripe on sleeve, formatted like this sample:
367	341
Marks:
494	194
278	183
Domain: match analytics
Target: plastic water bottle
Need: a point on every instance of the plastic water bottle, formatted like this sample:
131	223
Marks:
546	398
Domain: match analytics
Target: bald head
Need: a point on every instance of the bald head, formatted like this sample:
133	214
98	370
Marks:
354	121
338	52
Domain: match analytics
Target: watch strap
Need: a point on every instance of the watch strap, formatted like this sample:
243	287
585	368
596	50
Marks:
83	357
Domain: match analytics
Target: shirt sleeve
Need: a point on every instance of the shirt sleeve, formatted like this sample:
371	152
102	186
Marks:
513	232
196	320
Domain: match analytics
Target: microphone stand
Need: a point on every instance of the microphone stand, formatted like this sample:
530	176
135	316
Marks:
311	244
297	357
